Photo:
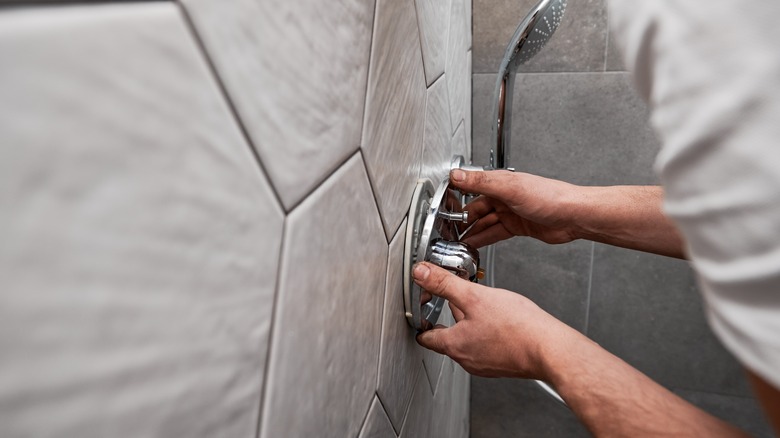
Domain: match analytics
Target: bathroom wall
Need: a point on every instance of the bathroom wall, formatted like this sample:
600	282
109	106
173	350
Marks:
202	213
577	118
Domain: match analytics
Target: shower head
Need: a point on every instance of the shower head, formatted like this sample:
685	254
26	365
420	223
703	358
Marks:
529	38
535	30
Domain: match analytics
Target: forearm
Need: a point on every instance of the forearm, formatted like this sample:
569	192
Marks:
626	216
613	399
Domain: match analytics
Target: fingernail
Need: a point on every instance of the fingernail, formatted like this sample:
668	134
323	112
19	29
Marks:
421	272
458	175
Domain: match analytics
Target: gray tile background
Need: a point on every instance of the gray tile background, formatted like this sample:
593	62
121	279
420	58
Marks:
577	118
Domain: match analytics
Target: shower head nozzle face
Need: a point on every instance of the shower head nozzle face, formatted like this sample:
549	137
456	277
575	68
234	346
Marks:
537	29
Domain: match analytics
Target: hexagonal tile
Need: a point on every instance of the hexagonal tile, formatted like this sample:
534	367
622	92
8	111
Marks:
325	348
433	17
377	425
437	153
400	356
457	70
394	125
140	241
459	142
315	54
418	419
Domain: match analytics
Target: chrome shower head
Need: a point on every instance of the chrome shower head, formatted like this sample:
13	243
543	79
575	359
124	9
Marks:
530	37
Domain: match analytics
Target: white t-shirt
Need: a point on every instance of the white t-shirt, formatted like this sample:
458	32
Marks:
710	71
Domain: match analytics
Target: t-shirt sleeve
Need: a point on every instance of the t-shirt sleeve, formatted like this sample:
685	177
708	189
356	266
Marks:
711	75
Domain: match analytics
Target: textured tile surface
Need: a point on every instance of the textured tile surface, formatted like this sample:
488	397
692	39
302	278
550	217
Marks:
400	356
418	420
519	408
328	316
433	17
614	56
553	276
140	239
459	143
315	54
585	128
577	45
646	310
742	412
437	153
394	125
458	73
377	425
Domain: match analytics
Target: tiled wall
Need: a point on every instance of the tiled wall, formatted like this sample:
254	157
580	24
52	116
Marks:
577	118
202	213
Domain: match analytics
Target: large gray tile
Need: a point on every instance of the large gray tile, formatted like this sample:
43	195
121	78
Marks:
140	241
461	398
519	408
585	128
377	425
743	412
395	110
316	56
578	44
400	355
458	74
646	310
555	277
614	56
437	153
418	420
325	348
433	19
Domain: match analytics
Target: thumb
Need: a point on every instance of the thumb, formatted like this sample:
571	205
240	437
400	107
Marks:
435	339
496	184
441	282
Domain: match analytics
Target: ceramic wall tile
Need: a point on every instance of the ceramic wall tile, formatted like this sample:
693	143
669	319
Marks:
400	356
433	18
578	44
468	120
418	419
459	142
140	240
457	70
377	425
437	153
394	125
315	54
325	350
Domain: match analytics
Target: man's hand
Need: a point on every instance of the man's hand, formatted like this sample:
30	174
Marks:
517	204
497	333
502	334
520	204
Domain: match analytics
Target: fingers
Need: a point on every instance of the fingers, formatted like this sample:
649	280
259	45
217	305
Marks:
494	183
456	313
443	283
435	339
479	208
494	234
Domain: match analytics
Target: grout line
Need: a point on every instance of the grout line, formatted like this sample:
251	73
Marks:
590	287
368	73
265	387
376	200
419	39
365	417
384	411
325	178
201	46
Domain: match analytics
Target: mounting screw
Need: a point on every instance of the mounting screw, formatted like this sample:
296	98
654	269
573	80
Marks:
454	217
